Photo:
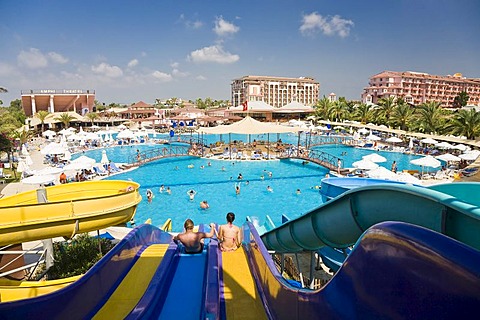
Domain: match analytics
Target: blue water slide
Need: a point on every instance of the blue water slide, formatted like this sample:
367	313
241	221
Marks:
395	271
84	298
184	287
340	222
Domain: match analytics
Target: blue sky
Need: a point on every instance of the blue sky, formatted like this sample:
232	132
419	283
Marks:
141	50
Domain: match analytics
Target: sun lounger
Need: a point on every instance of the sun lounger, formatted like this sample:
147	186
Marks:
114	168
100	171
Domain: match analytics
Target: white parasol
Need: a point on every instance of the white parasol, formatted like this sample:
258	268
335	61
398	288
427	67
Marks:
374	157
448	157
382	173
48	171
429	141
394	140
104	159
365	165
36	179
427	161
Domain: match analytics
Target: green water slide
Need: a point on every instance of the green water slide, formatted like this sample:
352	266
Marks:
452	209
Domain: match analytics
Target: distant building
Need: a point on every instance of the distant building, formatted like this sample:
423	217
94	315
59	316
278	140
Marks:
275	91
417	88
63	100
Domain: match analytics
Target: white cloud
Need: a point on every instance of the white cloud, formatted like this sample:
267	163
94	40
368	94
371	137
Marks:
57	57
330	26
6	69
162	76
224	28
32	59
200	77
177	73
107	70
213	53
132	63
197	24
174	65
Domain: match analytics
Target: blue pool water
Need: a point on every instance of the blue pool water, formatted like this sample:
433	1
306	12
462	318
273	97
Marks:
217	186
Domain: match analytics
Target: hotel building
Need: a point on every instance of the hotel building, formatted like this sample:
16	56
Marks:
51	100
276	91
417	88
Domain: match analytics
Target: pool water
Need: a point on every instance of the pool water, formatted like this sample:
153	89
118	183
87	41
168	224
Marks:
217	186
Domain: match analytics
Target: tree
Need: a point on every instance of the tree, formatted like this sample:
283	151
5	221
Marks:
461	100
322	107
92	116
65	118
363	113
431	118
402	115
385	109
466	123
42	115
338	111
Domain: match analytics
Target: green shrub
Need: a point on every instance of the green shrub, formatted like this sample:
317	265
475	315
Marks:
78	256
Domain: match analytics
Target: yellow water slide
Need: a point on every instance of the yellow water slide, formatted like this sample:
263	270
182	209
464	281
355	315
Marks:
11	290
67	209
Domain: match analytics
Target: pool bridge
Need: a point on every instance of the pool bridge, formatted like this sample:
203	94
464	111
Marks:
324	159
191	146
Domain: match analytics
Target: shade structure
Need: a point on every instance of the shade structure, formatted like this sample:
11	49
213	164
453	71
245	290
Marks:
104	159
407	178
373	137
460	147
374	157
47	171
36	179
448	157
427	161
363	131
126	134
394	140
84	159
250	126
444	145
53	148
365	165
469	156
22	166
382	173
429	141
49	133
77	166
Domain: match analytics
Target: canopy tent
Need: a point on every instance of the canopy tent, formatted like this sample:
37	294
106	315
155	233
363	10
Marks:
427	161
249	126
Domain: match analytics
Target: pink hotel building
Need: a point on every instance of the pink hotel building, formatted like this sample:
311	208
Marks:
416	88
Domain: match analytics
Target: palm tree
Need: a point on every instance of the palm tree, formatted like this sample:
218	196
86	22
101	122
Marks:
42	115
461	100
338	111
466	123
363	113
23	136
65	118
385	108
432	117
322	107
402	115
92	116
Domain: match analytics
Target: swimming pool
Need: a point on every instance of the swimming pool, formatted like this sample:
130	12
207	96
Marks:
217	186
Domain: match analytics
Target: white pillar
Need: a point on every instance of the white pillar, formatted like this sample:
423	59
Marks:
34	106
52	106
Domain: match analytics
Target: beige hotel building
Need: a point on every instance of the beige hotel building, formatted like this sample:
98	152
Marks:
276	91
417	88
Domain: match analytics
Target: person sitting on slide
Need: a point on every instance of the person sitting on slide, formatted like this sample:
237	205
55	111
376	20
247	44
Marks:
229	234
193	241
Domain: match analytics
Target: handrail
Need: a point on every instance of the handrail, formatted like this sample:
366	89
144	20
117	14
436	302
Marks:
158	153
322	158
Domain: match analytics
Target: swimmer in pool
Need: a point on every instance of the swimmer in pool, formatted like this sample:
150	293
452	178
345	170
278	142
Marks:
204	205
237	188
149	195
269	189
191	194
